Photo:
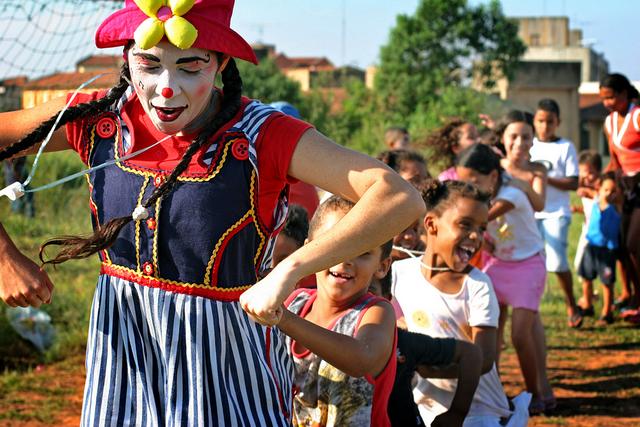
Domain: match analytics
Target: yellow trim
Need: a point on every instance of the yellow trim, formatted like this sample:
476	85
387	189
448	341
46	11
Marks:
180	178
140	196
255	219
173	282
156	232
207	275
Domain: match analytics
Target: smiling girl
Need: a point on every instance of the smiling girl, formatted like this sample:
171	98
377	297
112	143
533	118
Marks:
185	228
516	266
442	295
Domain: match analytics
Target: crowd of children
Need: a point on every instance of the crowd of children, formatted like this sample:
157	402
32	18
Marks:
403	332
497	222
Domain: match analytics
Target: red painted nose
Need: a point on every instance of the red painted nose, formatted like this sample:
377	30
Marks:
167	92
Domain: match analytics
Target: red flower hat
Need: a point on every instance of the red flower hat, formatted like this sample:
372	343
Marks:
211	19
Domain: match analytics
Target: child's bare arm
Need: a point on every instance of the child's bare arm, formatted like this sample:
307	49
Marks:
565	183
587	192
499	208
536	200
367	353
469	358
485	338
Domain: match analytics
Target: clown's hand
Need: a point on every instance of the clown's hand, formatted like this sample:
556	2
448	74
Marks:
22	282
263	301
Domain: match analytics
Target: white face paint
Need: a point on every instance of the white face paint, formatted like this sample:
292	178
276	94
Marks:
173	85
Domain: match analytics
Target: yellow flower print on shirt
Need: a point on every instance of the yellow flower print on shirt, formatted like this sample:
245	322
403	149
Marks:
421	319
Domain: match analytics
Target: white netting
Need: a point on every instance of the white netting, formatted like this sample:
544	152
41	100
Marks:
39	37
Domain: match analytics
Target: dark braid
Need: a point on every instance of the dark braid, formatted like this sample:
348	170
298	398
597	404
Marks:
71	114
74	247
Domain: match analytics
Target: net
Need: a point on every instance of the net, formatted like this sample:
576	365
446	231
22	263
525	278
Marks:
41	37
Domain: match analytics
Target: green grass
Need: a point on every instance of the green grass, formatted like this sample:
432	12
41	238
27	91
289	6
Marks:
63	210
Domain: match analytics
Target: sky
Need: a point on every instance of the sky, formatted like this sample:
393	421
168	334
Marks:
304	28
348	32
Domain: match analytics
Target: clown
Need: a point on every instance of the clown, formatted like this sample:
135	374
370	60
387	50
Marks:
184	229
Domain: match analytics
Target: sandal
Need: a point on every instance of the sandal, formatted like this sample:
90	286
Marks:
621	303
536	406
575	321
604	320
586	312
550	403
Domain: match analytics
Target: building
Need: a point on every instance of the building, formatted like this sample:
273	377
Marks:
549	39
555	65
311	72
38	91
11	93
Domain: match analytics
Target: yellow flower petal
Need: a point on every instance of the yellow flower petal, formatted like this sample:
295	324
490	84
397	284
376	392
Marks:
180	32
180	7
150	7
149	33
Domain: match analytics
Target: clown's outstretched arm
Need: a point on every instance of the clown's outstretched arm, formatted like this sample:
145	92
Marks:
385	205
18	124
22	282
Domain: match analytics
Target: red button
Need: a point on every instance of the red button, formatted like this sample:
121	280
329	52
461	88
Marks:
148	269
240	149
151	223
106	127
158	180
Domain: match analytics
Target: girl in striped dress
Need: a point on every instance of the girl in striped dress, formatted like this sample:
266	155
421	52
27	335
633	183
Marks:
186	227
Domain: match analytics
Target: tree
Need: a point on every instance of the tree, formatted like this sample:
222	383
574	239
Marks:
266	83
445	43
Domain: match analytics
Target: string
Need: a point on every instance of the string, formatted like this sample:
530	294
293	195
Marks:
414	254
53	128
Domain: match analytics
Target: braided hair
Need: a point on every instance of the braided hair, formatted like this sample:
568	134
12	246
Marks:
72	113
76	247
439	196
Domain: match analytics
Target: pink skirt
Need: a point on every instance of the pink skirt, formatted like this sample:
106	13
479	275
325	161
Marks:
519	284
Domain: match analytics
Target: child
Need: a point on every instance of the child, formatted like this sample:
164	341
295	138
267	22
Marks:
407	242
397	138
443	296
422	350
589	170
559	156
342	339
599	257
448	140
293	234
409	164
516	265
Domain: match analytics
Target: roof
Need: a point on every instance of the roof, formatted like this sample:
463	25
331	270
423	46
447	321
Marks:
101	61
71	81
313	62
14	81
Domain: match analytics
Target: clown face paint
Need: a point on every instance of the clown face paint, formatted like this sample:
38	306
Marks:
189	76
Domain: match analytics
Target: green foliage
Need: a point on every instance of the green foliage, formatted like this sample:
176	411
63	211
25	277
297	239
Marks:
266	83
63	210
445	43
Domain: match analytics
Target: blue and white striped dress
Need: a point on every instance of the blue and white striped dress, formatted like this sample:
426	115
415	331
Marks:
169	344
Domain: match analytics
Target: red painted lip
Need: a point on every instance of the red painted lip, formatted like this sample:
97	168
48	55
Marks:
169	114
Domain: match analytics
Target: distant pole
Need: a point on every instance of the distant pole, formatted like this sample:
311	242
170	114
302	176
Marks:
344	31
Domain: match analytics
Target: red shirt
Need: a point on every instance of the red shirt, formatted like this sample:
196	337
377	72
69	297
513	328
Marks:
275	147
625	141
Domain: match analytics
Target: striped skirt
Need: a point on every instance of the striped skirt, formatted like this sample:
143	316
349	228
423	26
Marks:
157	358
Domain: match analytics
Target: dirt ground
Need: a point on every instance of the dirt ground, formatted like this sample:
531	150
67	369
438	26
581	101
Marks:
595	387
